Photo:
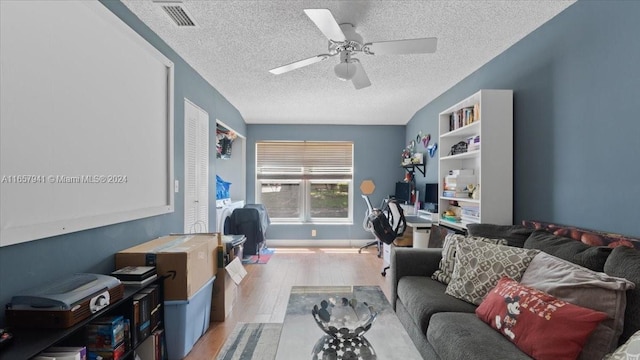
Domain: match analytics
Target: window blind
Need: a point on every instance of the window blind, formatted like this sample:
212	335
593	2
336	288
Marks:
304	160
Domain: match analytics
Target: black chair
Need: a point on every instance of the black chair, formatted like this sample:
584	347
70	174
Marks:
246	222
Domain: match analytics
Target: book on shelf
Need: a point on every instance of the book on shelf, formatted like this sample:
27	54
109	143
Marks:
141	283
146	350
135	323
64	353
161	345
143	327
470	212
464	117
134	273
153	347
455	194
154	305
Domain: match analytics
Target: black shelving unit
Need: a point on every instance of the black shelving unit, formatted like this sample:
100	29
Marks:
27	343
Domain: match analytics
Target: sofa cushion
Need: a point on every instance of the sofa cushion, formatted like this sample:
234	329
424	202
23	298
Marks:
583	287
591	257
447	262
464	336
423	297
418	336
539	324
628	350
480	265
625	262
514	234
437	234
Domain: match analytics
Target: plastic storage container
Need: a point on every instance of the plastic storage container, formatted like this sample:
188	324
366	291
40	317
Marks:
421	238
222	188
186	321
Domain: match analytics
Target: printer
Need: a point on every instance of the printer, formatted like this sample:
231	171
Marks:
64	302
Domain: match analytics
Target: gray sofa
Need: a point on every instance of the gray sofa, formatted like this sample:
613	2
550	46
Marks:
444	327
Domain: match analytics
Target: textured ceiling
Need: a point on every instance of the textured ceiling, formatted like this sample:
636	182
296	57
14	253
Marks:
237	42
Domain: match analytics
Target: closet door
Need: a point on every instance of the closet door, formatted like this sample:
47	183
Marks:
196	169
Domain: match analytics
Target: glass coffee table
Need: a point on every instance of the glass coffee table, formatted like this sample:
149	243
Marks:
302	338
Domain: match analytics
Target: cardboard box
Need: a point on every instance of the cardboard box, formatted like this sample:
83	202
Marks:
223	296
406	240
225	288
187	261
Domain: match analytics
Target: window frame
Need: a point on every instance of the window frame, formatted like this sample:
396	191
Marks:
305	176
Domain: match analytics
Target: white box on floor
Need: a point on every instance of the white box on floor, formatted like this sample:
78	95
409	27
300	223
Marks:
186	321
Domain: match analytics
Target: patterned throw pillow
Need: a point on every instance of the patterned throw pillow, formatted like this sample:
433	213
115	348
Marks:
539	324
449	246
628	350
479	266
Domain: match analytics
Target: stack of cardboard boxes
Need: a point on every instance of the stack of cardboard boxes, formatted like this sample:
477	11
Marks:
189	264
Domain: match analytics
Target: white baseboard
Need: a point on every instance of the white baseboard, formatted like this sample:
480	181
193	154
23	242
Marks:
345	243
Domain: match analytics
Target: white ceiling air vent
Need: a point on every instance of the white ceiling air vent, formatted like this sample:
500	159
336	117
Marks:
177	12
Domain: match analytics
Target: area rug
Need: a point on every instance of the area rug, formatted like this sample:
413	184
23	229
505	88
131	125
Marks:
252	341
265	255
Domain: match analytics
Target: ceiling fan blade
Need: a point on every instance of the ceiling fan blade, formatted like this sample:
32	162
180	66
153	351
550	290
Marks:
325	21
360	79
298	64
409	46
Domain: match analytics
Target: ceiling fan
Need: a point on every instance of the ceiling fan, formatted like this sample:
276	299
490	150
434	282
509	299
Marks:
346	42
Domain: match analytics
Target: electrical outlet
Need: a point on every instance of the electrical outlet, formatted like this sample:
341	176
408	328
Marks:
313	233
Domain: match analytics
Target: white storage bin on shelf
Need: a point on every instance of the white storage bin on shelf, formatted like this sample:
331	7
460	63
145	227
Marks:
186	321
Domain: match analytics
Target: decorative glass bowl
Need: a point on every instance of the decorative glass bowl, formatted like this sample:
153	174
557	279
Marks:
330	348
344	318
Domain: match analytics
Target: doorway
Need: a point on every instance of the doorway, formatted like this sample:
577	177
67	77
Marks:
196	168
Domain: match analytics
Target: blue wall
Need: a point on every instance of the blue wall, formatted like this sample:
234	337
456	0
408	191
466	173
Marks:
377	152
37	262
576	117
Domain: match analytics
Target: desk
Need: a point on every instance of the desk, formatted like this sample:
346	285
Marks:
420	239
418	222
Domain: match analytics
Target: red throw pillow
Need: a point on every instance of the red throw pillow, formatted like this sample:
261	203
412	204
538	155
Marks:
537	323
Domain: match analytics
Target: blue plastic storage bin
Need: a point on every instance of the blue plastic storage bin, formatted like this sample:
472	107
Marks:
186	321
222	188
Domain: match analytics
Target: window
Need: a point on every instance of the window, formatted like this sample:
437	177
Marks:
305	181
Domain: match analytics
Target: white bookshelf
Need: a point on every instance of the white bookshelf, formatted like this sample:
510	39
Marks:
492	162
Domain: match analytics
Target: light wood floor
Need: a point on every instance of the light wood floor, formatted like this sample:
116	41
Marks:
264	292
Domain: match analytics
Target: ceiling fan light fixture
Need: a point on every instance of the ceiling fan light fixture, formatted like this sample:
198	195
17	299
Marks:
345	70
